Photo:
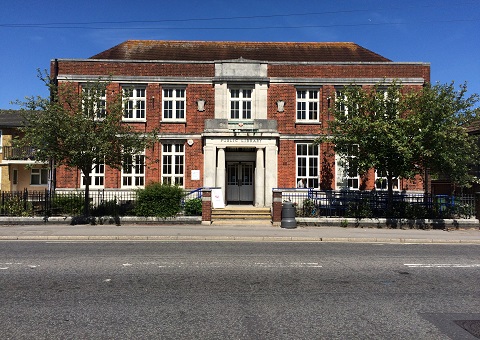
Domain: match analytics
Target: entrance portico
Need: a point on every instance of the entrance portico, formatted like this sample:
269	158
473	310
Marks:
245	168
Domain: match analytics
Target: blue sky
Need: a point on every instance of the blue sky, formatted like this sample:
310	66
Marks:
445	33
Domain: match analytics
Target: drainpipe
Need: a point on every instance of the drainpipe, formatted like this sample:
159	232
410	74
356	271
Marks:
54	82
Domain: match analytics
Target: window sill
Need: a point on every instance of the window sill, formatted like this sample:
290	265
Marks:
173	121
134	120
307	123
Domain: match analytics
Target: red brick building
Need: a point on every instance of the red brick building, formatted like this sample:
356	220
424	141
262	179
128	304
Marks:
240	116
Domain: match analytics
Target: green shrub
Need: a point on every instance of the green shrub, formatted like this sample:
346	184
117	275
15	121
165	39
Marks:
159	200
193	207
67	204
106	208
113	208
308	208
16	206
359	209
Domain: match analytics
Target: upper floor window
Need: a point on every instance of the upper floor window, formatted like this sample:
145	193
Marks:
240	103
340	102
174	104
1	141
307	105
173	163
94	101
135	103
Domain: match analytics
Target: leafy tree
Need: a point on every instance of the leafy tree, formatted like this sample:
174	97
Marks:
369	130
76	128
403	134
439	117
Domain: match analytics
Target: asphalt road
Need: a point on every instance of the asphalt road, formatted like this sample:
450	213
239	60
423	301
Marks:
226	290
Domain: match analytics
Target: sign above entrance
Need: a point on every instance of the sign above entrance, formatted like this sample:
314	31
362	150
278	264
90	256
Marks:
240	140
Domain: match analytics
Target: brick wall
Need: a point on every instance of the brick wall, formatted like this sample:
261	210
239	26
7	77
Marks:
195	119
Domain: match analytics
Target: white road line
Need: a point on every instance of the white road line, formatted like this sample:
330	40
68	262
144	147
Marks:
220	264
441	265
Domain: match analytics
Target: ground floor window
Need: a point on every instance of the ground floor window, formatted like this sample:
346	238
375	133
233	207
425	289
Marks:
97	176
346	169
15	176
307	155
381	181
39	177
133	171
173	164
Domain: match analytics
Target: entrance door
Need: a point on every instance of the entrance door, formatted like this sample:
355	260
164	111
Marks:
240	182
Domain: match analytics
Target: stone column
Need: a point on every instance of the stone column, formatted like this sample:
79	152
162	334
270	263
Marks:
271	172
220	180
209	161
259	179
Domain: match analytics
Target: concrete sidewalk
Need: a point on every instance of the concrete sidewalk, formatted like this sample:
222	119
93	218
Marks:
265	233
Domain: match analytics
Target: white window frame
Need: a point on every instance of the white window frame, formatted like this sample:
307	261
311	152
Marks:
1	141
174	104
341	106
173	164
307	105
135	103
345	178
97	177
385	98
307	161
133	176
379	180
241	101
100	106
41	173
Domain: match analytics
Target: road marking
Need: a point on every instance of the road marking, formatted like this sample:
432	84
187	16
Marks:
441	265
217	264
11	265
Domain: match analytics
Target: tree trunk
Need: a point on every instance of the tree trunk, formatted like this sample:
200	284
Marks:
86	204
389	194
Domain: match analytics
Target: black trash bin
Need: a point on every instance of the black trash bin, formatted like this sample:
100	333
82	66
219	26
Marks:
288	216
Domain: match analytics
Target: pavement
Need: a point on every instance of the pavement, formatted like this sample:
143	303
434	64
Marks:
245	232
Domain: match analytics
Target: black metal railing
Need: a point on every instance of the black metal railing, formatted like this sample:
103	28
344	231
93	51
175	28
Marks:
71	203
18	153
375	204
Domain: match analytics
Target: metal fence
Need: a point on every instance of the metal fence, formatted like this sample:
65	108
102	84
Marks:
374	204
71	203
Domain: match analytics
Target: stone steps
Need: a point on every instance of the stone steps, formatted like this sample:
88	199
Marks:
241	215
